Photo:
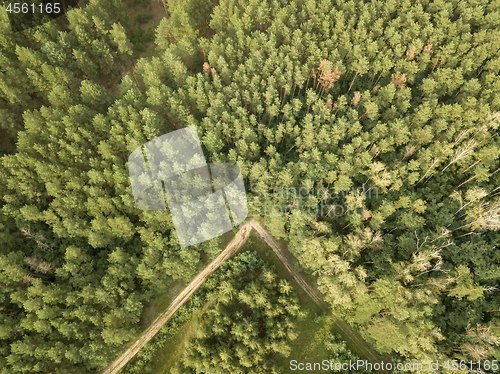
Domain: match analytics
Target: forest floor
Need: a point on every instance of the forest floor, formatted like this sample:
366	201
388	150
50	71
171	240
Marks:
146	15
160	303
352	337
177	343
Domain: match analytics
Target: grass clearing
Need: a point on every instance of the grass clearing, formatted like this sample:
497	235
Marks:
308	347
173	347
160	303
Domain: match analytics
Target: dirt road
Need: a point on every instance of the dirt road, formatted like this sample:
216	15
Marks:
239	239
278	251
347	331
235	244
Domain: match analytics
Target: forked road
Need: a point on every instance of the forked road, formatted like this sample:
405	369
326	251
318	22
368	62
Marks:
236	243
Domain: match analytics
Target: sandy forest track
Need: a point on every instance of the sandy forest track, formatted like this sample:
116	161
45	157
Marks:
266	236
239	239
236	243
347	331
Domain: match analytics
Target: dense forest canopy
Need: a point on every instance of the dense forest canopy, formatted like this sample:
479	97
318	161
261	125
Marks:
365	131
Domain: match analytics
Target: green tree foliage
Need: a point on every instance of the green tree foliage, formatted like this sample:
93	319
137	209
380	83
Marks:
365	131
88	260
47	65
251	321
188	21
381	117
